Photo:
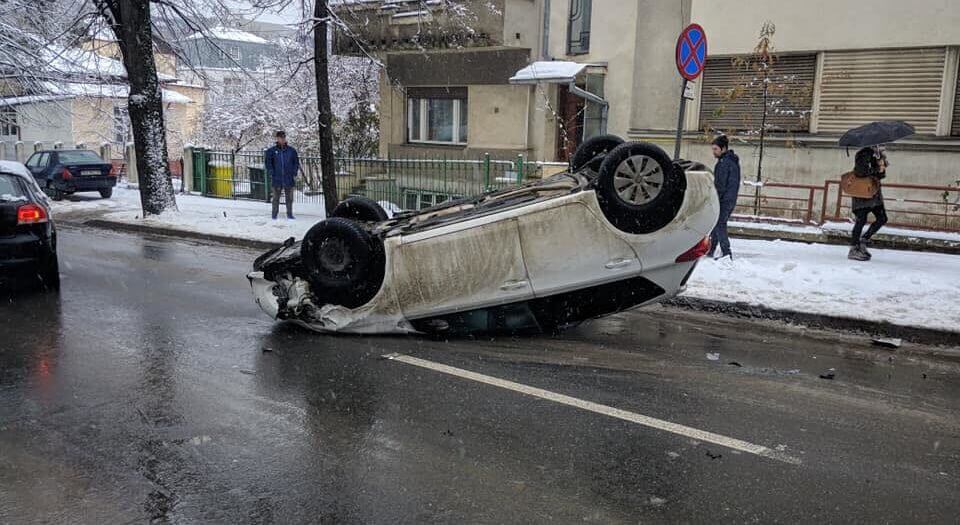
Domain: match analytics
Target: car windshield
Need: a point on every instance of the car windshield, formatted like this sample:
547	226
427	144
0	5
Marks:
11	189
79	157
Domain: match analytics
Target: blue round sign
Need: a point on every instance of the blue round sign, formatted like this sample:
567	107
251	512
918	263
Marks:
692	52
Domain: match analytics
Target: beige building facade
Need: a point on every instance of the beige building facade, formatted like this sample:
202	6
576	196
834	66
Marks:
839	64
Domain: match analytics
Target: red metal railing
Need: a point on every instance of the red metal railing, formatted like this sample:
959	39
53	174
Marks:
931	207
779	200
922	206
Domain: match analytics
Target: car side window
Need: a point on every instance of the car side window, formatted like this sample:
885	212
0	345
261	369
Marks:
33	160
44	160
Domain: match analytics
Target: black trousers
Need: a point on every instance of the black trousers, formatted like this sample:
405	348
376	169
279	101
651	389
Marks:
879	219
287	196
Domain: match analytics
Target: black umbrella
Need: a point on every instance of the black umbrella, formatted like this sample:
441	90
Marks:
876	133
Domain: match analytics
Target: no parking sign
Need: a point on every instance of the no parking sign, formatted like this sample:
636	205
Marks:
691	52
691	59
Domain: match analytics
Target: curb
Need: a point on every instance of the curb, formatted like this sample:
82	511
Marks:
841	239
179	234
926	336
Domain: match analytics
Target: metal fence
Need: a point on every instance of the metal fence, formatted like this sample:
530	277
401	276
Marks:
921	206
406	184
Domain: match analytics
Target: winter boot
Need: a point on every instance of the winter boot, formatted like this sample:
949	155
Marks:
856	255
863	249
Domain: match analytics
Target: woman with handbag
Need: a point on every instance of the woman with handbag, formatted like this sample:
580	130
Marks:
869	162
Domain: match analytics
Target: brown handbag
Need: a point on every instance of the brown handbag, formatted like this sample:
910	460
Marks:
859	187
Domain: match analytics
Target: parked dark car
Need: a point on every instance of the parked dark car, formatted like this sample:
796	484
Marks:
28	238
62	172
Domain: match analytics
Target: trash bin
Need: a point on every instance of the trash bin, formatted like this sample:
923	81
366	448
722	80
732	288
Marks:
221	179
258	182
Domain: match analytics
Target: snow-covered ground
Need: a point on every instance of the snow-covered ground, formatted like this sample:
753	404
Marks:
239	219
904	288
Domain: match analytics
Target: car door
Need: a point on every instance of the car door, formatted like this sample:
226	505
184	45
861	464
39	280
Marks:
39	169
568	247
461	267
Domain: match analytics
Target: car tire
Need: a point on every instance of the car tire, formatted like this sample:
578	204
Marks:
50	275
344	264
639	188
107	193
590	154
360	209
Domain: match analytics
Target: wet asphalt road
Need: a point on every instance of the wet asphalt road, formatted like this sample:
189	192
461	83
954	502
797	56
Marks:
153	388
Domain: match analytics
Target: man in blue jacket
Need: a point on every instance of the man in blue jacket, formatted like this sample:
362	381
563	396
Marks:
726	178
282	165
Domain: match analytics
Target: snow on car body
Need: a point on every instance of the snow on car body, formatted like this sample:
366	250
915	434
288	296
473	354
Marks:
539	257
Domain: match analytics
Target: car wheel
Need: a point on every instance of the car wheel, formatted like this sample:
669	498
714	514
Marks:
107	193
590	154
344	264
50	275
639	188
360	209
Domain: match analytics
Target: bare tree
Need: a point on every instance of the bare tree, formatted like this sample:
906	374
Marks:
321	18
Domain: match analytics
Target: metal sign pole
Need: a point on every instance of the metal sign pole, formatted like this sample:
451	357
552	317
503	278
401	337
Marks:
683	112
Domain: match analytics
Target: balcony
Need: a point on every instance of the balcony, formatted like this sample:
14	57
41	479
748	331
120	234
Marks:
400	25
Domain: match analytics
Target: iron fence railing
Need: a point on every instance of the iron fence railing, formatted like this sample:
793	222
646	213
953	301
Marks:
403	183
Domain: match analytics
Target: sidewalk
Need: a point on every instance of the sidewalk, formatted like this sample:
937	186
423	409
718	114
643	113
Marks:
909	290
216	219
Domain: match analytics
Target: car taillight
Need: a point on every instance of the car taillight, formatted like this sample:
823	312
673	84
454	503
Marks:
698	251
113	170
66	174
31	214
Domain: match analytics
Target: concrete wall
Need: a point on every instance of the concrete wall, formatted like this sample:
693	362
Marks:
497	117
45	122
522	17
814	25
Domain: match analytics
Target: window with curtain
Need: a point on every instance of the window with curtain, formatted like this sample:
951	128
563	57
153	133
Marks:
437	116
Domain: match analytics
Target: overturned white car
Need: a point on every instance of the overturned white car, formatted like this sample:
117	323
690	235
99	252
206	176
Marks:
624	228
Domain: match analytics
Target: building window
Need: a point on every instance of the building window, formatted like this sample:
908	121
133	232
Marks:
121	126
232	87
578	27
858	87
8	123
437	120
732	94
230	53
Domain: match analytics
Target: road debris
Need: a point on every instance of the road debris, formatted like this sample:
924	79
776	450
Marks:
888	342
713	356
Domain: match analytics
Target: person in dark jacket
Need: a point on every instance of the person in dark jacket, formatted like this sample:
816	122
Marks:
282	165
869	162
726	179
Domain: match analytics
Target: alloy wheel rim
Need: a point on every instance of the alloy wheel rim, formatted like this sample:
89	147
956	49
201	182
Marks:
638	180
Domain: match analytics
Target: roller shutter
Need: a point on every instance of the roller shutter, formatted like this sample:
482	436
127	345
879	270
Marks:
858	87
732	97
955	127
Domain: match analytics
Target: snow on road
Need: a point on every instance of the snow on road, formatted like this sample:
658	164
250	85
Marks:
904	288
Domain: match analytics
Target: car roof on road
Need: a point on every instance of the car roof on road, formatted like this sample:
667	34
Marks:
14	168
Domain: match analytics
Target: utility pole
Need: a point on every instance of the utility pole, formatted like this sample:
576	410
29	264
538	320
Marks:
328	165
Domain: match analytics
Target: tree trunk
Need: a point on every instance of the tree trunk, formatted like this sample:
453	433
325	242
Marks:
328	171
130	20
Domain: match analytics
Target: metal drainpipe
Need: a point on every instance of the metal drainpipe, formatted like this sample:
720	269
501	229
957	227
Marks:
545	44
604	105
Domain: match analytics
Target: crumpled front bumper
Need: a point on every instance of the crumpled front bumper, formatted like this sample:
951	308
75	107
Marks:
292	301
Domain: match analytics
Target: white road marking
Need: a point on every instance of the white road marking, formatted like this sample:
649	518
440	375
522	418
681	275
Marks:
640	419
